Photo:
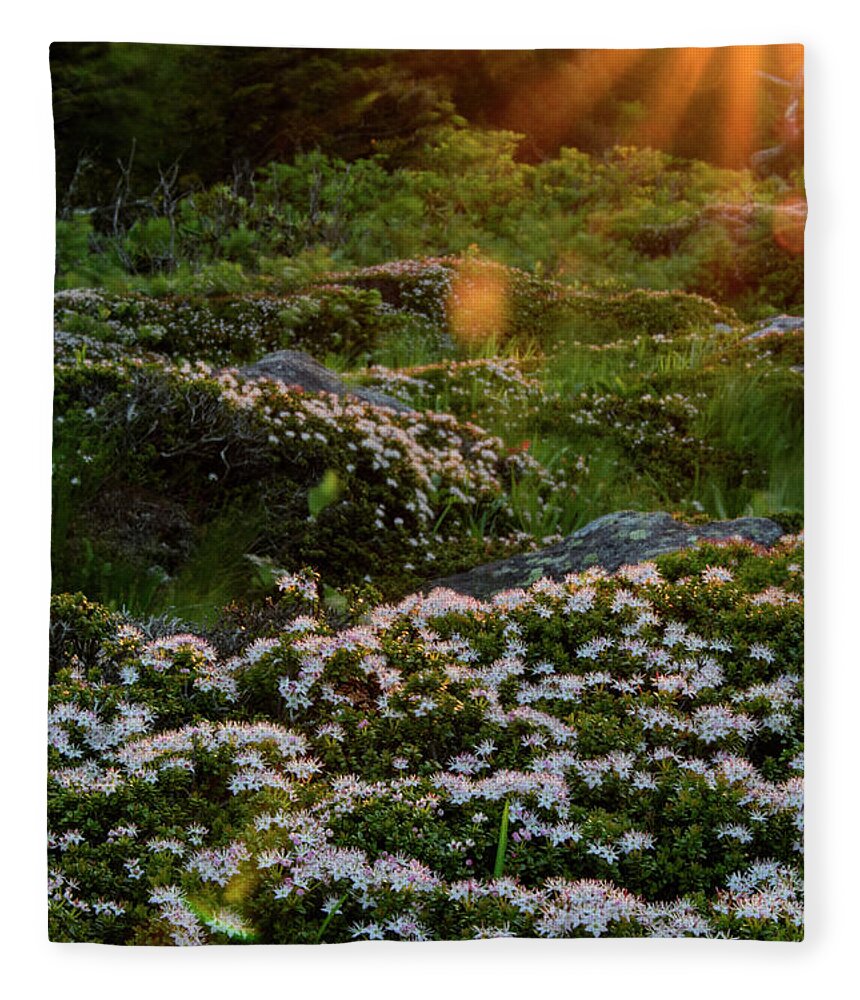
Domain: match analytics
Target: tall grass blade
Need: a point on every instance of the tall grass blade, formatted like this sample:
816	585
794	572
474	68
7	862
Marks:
330	917
499	867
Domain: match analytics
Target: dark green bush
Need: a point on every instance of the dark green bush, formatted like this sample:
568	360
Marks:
221	452
642	312
78	630
636	218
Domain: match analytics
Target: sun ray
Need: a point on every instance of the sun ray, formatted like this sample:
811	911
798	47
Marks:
743	90
547	109
669	95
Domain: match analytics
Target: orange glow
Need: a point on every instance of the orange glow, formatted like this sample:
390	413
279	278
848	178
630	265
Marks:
670	94
733	82
478	303
789	221
790	60
743	86
547	109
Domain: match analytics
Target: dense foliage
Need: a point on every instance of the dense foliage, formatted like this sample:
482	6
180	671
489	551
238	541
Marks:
612	755
152	458
267	722
178	482
227	110
628	219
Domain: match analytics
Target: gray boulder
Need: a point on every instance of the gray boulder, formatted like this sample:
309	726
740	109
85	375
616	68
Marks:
777	325
296	368
614	540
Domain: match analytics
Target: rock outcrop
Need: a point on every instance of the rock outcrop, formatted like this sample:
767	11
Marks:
611	541
299	369
777	325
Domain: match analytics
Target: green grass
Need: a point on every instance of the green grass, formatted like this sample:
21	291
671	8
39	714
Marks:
217	572
501	849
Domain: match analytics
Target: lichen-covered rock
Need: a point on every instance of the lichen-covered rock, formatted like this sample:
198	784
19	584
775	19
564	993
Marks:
777	325
295	368
611	541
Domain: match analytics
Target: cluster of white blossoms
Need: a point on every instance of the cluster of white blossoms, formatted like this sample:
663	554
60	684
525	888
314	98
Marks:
581	714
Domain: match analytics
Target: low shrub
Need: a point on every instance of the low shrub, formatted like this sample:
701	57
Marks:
608	755
410	486
224	327
641	312
537	309
496	392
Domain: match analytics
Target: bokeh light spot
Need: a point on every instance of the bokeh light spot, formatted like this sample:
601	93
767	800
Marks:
478	304
789	223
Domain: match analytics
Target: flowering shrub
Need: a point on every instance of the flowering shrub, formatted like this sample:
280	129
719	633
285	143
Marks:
640	733
406	488
680	421
492	390
230	328
537	306
678	416
357	314
632	218
660	434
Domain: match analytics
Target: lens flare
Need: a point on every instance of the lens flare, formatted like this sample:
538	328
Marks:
478	304
789	223
324	493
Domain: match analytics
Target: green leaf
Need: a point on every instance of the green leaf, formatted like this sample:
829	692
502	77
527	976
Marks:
324	493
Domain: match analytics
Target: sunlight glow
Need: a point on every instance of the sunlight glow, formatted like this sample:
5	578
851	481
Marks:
478	303
548	108
669	95
743	76
743	88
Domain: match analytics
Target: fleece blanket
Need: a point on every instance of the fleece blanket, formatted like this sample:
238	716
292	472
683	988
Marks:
427	543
